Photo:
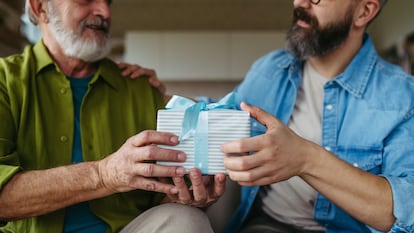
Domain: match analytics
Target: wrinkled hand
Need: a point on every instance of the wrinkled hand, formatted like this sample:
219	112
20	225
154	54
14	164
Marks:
128	168
136	71
277	155
203	192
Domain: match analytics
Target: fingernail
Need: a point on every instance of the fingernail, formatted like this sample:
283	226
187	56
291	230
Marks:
174	139
181	157
194	175
180	171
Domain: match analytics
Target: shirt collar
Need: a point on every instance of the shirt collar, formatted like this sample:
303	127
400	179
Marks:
43	58
356	76
107	69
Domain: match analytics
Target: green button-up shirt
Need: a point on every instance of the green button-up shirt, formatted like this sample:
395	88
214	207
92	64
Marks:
37	127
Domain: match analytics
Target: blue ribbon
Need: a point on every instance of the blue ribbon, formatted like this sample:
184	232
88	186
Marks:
195	123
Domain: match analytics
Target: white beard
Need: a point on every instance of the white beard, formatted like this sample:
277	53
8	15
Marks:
72	43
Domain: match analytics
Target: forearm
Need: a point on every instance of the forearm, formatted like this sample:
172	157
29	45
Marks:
365	196
50	190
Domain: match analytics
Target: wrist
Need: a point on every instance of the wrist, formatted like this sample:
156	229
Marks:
102	176
313	159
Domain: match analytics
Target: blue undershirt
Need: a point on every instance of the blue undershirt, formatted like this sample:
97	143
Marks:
79	218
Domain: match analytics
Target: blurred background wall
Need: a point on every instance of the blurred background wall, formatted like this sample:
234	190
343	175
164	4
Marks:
224	19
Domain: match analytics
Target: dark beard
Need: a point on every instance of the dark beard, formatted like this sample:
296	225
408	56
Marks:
315	41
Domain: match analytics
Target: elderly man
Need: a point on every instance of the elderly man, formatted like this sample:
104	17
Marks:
70	156
332	150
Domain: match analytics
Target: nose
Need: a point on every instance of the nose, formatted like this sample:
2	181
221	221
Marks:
302	3
102	8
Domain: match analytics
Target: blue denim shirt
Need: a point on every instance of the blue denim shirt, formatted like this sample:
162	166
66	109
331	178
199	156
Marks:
367	121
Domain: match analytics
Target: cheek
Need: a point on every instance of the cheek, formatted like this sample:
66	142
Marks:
75	17
328	16
323	21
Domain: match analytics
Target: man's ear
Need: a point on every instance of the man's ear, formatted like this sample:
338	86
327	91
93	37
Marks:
366	12
39	9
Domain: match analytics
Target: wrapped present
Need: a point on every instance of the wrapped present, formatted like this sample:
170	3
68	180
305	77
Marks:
202	129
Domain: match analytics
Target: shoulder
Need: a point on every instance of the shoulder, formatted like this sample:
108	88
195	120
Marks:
139	89
15	70
392	87
271	66
393	74
112	73
275	59
17	62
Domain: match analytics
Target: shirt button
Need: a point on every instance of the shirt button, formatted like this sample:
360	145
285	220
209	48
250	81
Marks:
63	91
328	148
63	139
329	107
355	165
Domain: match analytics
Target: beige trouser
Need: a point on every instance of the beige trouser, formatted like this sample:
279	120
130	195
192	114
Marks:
170	218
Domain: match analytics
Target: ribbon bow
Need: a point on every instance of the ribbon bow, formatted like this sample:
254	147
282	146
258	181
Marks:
195	123
193	109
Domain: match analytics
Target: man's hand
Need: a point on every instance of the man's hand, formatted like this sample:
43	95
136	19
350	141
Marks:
136	71
278	155
129	168
203	192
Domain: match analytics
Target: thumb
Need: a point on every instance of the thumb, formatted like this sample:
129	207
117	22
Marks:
260	115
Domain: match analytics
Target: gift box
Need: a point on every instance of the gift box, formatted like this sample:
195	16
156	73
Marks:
202	131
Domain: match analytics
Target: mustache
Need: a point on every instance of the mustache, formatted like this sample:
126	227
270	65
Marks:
98	23
300	13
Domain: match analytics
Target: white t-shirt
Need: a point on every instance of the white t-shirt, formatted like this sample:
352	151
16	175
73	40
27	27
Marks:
292	201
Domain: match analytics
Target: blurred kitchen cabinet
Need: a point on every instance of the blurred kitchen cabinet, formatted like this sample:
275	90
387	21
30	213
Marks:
200	55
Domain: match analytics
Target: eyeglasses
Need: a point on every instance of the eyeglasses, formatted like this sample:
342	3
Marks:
315	2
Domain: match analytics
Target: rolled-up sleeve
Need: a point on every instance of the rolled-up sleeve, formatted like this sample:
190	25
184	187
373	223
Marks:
398	169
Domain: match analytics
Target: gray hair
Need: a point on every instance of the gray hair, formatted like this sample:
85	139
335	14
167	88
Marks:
29	12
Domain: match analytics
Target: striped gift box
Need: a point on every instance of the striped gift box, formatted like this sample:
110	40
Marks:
203	149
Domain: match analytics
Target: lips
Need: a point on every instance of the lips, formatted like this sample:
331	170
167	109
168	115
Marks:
98	27
302	18
97	24
303	23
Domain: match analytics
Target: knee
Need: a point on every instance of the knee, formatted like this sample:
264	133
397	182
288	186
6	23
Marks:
191	218
179	211
169	218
